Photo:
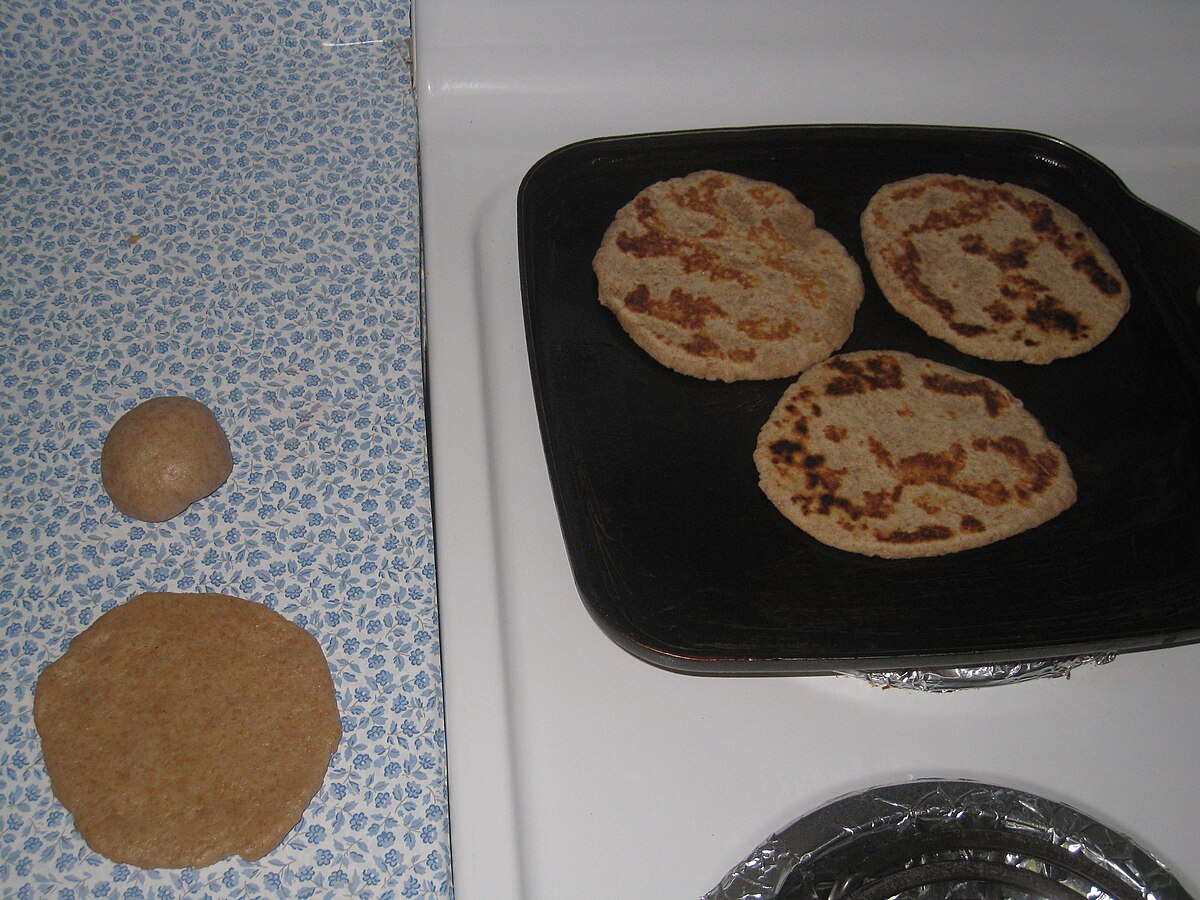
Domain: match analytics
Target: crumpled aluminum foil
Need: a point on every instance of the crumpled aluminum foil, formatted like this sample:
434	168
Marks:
808	860
956	679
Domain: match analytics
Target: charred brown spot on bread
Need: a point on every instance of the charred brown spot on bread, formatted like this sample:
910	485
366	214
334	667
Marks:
881	453
970	524
1043	310
767	237
1000	312
638	300
800	425
828	502
973	244
876	373
974	207
818	477
920	535
1100	278
785	451
905	262
835	433
765	195
926	467
946	219
702	197
824	478
823	483
702	344
1048	314
943	468
1038	471
680	308
651	243
1041	219
927	506
880	504
994	400
990	493
692	255
789	453
969	330
1015	256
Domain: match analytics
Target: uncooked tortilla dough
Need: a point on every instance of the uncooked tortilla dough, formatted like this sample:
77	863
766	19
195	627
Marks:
180	729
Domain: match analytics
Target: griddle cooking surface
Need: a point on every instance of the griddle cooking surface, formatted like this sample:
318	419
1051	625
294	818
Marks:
682	560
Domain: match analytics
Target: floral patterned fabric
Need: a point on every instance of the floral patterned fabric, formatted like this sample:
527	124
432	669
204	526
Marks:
220	200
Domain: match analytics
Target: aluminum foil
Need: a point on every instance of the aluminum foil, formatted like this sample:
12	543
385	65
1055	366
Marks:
808	860
955	679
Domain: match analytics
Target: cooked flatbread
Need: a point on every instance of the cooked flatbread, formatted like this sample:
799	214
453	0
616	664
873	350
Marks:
722	277
998	271
886	454
182	728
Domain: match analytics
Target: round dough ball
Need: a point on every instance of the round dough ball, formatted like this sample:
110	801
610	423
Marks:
162	456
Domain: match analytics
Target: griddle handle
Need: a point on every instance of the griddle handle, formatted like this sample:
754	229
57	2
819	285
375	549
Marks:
1174	250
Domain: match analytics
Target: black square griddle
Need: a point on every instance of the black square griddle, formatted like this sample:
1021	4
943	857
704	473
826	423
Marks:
682	560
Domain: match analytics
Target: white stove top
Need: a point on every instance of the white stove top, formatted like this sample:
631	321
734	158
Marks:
575	769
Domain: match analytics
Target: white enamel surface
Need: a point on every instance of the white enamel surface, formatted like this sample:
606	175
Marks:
575	769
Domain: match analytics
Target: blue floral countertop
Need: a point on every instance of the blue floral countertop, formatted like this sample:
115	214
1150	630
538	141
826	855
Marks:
220	200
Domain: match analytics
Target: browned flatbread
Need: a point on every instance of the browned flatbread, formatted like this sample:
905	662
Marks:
719	276
886	454
998	271
182	728
162	456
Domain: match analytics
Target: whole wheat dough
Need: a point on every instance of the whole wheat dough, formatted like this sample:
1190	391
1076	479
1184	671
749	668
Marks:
162	456
180	729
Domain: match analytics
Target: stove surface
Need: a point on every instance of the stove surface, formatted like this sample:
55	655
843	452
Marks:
576	769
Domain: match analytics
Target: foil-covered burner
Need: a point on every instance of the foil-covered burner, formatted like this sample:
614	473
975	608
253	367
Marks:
946	840
986	675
